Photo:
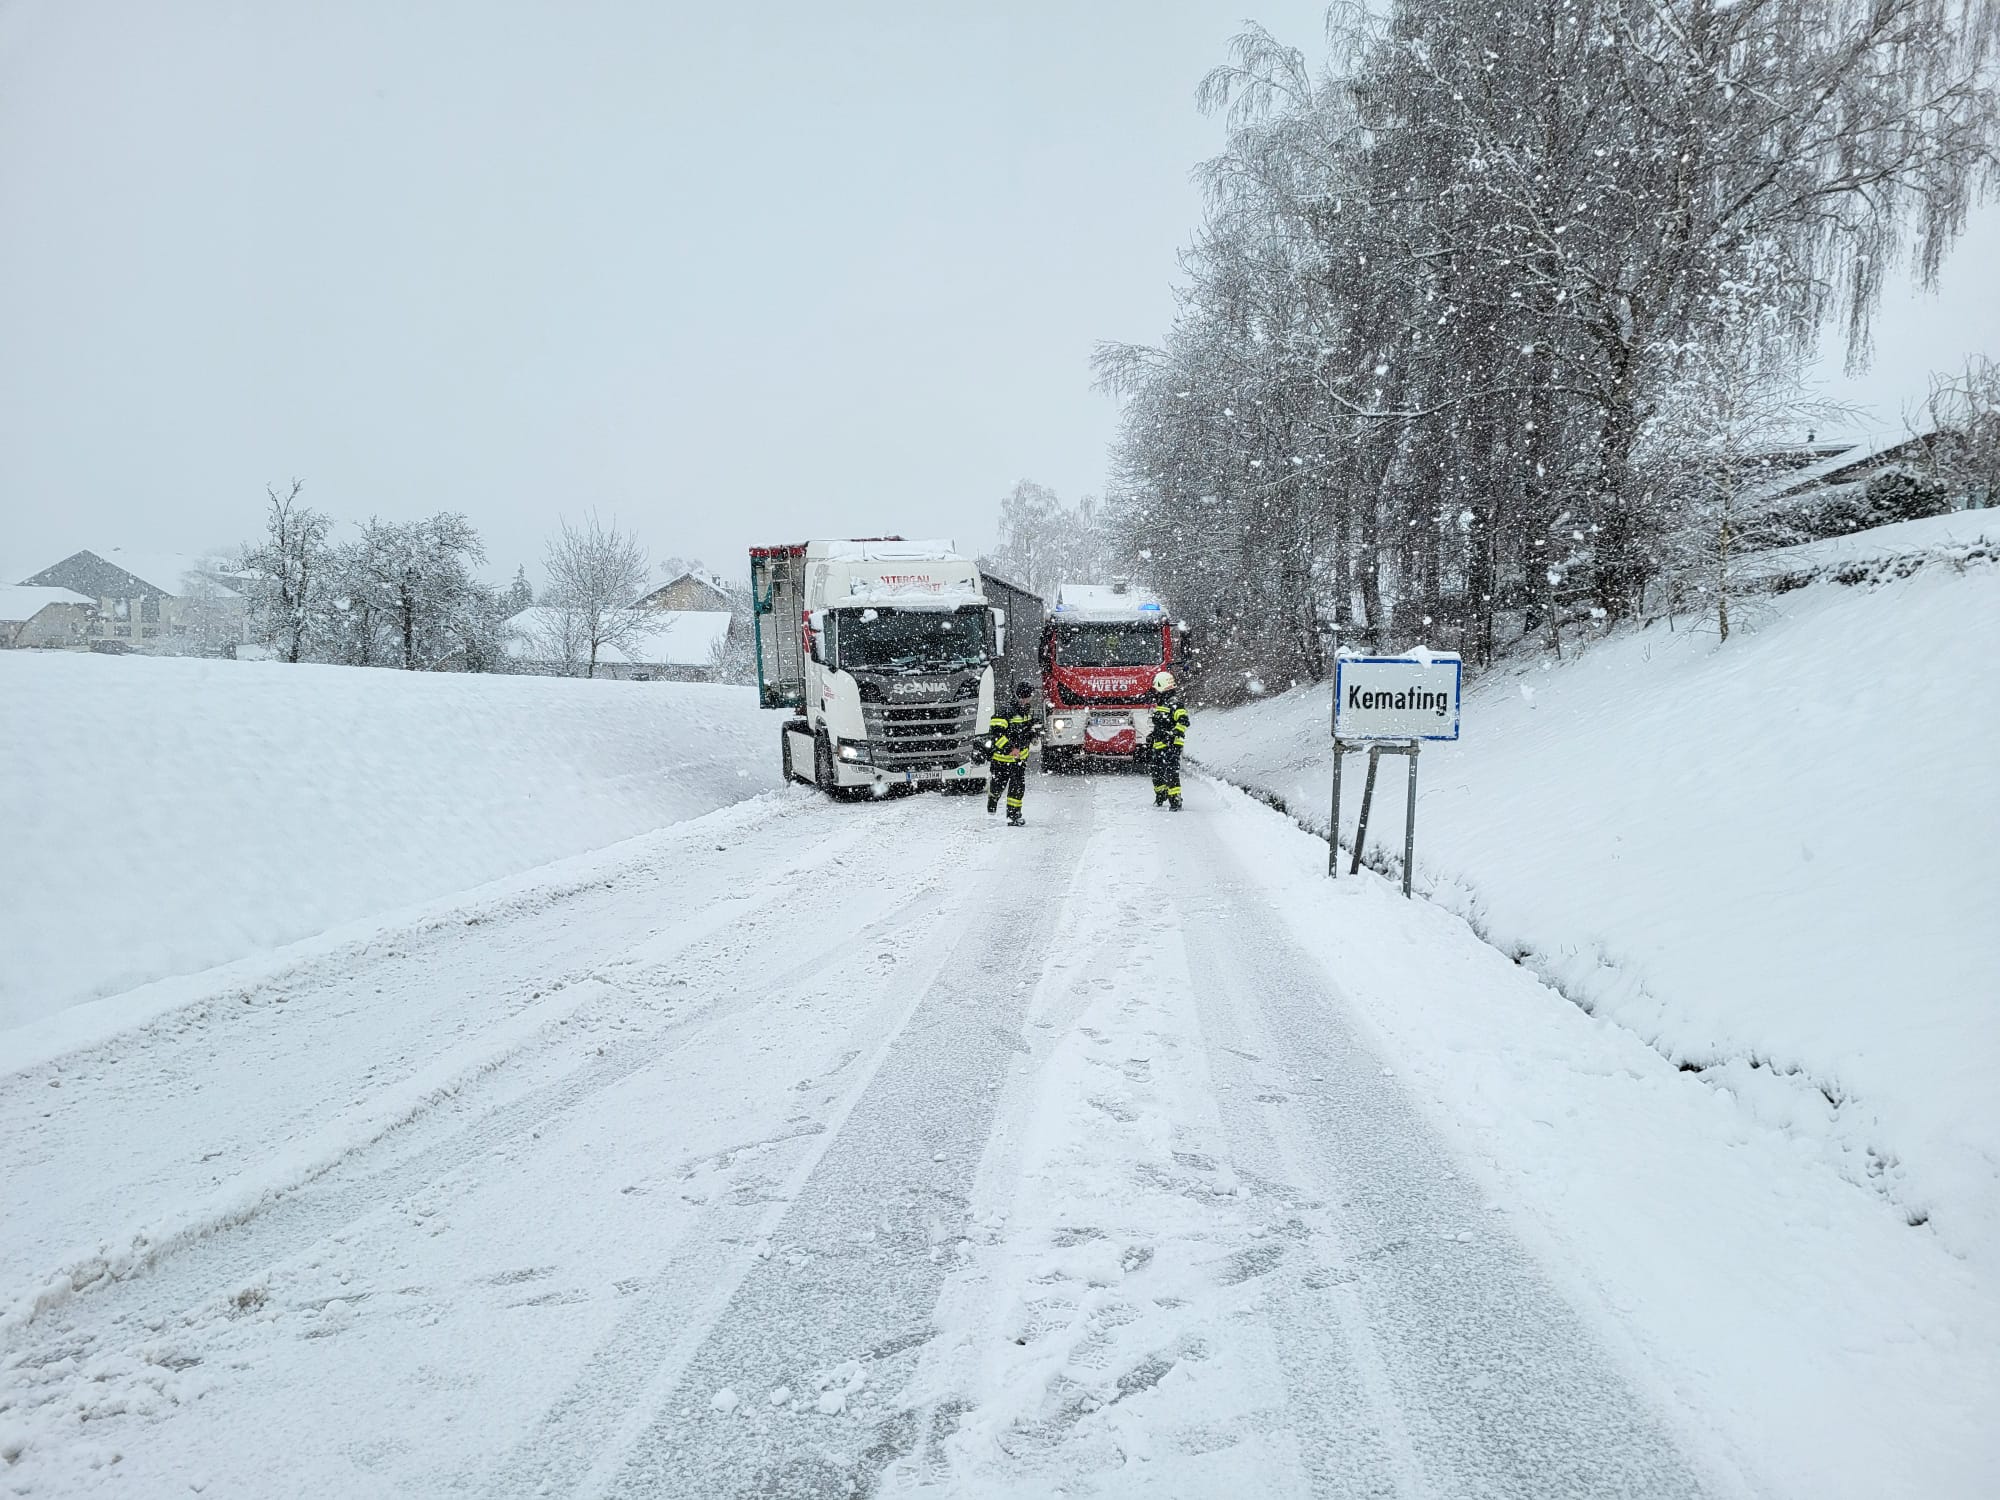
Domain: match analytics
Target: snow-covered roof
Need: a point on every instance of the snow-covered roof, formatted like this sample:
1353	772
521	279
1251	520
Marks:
121	572
1852	456
167	571
1107	601
666	637
23	601
700	576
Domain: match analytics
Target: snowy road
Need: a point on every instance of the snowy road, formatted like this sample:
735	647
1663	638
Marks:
805	1150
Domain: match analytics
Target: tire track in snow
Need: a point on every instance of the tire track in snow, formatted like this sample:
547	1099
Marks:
450	1158
154	1018
323	1037
1104	1329
857	1258
1499	1388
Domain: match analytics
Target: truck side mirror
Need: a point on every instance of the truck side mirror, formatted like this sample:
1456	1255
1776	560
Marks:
997	618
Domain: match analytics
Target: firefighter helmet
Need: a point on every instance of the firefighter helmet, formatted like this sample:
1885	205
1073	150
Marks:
1024	690
1163	682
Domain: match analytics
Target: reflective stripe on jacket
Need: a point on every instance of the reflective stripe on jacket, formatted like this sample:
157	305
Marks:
1012	734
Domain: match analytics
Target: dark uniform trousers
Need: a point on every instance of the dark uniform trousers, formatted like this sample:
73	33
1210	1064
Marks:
1012	734
1010	777
1170	722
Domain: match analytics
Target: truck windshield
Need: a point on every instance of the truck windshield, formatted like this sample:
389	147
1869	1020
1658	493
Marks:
1108	646
913	640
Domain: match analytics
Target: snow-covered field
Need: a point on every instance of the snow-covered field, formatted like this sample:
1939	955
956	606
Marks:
163	816
1776	860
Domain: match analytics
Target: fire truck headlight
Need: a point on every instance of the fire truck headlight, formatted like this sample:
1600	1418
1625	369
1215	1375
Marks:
1059	725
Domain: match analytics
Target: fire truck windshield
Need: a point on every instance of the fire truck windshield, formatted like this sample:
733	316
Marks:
1108	645
916	640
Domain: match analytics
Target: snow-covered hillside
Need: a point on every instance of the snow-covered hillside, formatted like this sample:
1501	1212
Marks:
163	816
1776	860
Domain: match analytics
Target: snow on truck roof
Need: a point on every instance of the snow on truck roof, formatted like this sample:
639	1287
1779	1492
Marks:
897	594
883	549
864	549
891	573
1107	601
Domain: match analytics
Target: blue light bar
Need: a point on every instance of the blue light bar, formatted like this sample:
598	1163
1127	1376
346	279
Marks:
1149	606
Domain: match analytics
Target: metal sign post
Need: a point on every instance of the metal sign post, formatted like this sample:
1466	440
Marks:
1388	705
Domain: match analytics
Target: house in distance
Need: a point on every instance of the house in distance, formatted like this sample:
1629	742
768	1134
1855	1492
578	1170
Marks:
161	603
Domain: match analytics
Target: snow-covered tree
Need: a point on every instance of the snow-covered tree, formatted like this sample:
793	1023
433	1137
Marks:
595	577
479	629
1448	276
1963	411
1044	541
520	593
1705	460
290	573
409	586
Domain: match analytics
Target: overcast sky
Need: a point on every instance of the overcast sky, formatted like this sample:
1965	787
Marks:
734	272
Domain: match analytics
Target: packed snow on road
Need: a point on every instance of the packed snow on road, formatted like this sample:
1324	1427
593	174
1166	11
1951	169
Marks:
734	1140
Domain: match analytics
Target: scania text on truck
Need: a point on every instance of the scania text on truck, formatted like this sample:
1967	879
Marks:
882	649
1102	644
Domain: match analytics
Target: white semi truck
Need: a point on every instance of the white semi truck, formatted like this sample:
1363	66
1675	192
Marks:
882	651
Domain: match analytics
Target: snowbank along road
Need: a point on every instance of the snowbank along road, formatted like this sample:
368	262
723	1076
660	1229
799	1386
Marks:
813	1150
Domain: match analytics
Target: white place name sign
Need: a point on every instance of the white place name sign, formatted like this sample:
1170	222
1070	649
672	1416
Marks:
1396	697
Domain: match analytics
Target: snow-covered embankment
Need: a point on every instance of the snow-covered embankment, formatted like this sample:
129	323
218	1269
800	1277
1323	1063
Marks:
1776	860
163	816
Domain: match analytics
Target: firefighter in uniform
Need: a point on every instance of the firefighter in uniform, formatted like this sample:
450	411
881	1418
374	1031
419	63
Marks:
1014	730
1170	722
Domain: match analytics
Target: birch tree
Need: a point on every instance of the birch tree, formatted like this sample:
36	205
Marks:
1044	542
1453	277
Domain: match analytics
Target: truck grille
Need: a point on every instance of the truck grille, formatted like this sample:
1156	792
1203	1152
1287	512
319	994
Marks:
917	736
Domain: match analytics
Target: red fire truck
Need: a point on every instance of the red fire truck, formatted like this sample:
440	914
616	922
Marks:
1102	644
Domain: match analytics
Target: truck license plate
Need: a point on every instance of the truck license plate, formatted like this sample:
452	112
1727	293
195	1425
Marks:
1110	721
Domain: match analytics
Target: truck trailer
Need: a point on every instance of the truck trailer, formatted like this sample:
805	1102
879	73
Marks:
1102	645
881	650
1017	657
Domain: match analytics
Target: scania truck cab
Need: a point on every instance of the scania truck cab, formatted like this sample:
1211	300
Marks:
881	649
1102	645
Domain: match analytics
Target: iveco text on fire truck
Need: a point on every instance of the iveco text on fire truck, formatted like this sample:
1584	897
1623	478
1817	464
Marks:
882	650
1102	643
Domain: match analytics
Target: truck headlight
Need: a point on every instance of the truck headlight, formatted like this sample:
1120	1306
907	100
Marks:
1059	725
853	752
